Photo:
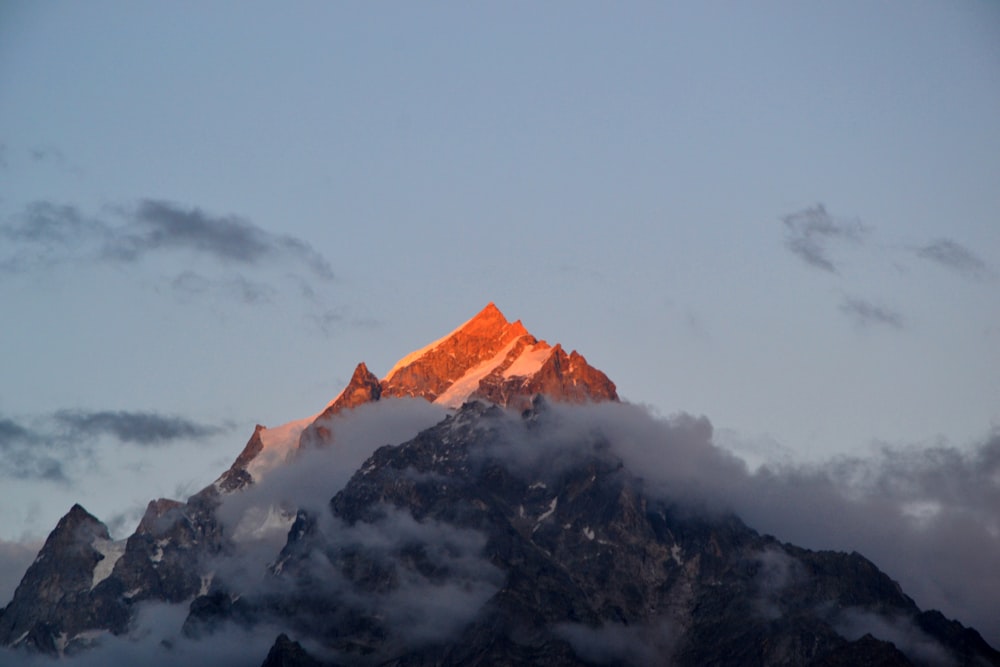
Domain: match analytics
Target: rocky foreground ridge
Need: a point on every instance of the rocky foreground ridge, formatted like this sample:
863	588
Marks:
505	534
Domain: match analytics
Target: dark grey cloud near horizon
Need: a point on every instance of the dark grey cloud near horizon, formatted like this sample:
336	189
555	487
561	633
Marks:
810	232
188	284
955	257
158	225
865	313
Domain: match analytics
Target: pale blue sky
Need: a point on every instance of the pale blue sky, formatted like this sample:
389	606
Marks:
367	176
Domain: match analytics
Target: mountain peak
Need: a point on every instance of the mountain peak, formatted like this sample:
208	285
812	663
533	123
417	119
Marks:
474	341
492	358
487	357
490	321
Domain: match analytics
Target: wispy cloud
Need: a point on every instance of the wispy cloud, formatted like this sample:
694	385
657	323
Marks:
27	454
159	226
141	428
205	255
864	313
44	448
926	516
188	284
954	256
47	154
47	232
809	233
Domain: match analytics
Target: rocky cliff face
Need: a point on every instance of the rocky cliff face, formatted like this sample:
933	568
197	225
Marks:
499	361
55	603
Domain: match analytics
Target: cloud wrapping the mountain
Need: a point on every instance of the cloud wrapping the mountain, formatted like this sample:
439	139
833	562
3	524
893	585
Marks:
925	516
421	607
911	640
309	479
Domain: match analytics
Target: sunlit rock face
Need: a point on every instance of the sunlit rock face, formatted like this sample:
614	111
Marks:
430	371
499	361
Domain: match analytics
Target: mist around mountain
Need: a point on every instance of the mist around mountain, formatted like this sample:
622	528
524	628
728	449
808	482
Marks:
512	529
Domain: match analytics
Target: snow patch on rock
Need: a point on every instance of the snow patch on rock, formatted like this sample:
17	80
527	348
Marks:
112	552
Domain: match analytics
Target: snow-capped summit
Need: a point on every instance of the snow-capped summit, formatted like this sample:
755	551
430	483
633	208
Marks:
491	358
496	360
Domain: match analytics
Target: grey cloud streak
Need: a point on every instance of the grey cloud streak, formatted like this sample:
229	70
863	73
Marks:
924	515
27	454
809	232
865	313
927	516
189	284
45	448
954	256
158	226
47	233
142	428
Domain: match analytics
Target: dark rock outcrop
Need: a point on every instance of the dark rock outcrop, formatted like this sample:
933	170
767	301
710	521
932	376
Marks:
56	601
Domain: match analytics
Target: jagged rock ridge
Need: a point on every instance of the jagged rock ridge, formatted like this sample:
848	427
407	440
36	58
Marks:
487	358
